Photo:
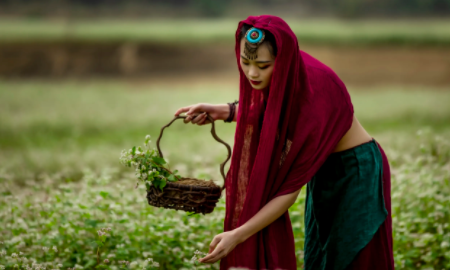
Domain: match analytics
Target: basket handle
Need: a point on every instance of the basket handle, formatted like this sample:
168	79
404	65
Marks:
213	132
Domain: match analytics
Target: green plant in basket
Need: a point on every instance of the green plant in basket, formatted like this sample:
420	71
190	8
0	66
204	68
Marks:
167	189
149	166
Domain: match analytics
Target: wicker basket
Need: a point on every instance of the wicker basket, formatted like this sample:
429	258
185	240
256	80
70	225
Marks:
200	197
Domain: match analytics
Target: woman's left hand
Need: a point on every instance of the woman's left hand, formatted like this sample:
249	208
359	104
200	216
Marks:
221	245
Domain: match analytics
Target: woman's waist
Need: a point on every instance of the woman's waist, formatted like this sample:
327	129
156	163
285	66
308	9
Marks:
355	136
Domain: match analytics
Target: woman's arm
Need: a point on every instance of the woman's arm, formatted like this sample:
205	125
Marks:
225	242
268	214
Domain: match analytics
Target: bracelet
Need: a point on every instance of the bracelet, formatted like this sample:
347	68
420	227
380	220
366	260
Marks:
232	111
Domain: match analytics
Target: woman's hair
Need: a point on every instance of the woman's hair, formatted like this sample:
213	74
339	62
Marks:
268	38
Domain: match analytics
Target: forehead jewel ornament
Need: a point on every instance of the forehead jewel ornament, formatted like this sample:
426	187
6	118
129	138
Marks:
253	38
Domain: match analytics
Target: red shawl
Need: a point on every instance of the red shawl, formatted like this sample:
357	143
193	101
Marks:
283	136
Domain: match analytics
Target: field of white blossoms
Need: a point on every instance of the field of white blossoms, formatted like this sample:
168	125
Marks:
67	203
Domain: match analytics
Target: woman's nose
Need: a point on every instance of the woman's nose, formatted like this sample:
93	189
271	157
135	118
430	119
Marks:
253	73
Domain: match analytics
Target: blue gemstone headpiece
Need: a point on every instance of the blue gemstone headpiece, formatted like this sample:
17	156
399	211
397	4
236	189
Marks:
253	38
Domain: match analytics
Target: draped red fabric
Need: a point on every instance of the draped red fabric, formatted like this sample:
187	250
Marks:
283	135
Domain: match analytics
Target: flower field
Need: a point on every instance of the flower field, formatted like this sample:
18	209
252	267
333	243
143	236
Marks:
66	202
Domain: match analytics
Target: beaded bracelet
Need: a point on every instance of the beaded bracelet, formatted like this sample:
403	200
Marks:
232	111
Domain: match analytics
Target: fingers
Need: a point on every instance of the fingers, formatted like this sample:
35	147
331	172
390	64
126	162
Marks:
213	257
203	121
182	110
189	109
199	119
194	118
195	110
214	243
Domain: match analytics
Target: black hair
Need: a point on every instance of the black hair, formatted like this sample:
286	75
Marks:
269	37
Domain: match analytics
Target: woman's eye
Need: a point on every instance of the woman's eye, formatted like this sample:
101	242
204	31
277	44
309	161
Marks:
245	63
264	67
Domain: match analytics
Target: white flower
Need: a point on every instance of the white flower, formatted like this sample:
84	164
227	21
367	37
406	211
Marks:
147	137
59	265
197	252
106	261
14	255
124	262
55	249
144	176
2	267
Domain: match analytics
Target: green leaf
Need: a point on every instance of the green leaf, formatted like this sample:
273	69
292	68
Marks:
159	160
157	182
171	178
133	150
162	184
104	194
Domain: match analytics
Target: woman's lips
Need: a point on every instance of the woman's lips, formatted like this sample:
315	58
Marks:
255	82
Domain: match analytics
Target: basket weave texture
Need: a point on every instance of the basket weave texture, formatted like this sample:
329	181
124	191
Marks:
195	198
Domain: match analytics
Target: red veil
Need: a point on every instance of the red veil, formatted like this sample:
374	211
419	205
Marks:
283	136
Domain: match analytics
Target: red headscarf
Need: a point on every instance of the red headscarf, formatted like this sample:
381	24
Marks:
283	136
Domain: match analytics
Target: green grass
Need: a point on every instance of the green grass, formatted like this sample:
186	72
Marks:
323	31
61	181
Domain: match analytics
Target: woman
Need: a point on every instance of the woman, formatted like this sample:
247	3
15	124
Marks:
295	125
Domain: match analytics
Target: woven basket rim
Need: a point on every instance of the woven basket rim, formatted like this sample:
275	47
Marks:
192	187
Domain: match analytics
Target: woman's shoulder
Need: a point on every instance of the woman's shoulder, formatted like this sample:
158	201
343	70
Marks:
319	71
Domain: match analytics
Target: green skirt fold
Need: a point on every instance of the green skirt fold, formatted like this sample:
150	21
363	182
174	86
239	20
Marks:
344	207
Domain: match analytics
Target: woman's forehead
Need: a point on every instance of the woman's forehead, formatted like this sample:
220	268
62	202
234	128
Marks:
263	51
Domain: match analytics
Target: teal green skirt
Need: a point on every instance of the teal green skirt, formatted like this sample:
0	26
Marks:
344	207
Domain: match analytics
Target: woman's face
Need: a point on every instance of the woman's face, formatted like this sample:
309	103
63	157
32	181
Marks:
258	71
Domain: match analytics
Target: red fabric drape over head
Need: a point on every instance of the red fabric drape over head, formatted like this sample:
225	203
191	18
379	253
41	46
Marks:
283	136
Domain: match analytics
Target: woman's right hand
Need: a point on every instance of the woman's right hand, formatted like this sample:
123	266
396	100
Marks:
196	114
